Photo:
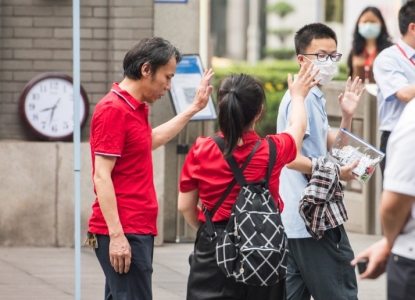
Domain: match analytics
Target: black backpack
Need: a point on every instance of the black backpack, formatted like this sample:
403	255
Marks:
253	247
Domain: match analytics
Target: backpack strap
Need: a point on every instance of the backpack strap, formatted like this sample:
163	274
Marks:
272	159
238	172
209	215
221	144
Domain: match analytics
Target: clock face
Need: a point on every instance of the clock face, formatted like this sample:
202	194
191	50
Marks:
47	106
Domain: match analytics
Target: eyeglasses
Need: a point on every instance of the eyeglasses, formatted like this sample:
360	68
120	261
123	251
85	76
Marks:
324	56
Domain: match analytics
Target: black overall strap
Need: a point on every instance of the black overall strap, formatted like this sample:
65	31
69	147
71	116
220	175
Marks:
272	159
221	143
209	215
238	172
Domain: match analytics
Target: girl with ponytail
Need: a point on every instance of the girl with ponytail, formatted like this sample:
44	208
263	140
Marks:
206	175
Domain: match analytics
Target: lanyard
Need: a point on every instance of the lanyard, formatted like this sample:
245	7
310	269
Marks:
368	62
369	58
404	54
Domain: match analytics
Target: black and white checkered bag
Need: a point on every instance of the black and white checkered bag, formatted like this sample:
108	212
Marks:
253	247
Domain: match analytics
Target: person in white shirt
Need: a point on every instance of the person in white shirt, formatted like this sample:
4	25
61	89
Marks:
396	251
394	72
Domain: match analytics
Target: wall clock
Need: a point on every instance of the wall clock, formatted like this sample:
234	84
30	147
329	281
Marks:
46	106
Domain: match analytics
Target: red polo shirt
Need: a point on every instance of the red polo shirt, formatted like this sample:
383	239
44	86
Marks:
120	127
205	169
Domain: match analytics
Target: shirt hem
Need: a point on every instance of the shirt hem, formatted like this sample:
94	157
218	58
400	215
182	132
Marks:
398	186
107	154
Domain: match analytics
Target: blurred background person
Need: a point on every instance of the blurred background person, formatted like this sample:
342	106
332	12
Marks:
394	71
370	37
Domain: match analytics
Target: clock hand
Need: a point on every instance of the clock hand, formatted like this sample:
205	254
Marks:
53	110
53	107
51	115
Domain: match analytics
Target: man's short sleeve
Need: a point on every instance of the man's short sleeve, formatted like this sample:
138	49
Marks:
389	76
400	163
108	132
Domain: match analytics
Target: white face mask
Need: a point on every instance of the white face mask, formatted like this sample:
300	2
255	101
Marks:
328	69
369	30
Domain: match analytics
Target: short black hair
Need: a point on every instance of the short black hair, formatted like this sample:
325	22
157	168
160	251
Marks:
155	51
309	32
406	16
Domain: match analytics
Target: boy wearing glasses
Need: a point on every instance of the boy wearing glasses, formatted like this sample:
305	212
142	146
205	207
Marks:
318	268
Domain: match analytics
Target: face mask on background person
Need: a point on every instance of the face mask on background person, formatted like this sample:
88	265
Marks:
328	69
369	30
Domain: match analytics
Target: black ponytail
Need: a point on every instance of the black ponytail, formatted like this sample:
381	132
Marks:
240	99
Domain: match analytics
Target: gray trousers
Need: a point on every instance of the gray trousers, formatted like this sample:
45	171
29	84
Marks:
321	269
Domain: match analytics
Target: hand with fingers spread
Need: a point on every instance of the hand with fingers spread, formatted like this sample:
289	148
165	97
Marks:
120	253
303	83
350	99
203	92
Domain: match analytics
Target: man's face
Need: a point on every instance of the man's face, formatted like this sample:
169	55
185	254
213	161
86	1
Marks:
157	84
327	46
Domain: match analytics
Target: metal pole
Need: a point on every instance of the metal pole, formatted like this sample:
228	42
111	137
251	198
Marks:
76	143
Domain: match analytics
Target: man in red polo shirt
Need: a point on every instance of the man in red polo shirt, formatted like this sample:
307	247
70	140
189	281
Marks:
123	222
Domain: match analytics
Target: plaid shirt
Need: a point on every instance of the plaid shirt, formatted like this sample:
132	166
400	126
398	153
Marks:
321	206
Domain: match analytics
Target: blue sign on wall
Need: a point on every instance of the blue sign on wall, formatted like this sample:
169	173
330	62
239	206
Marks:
184	85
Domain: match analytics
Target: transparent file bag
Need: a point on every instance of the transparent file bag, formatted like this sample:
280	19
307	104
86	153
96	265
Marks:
348	147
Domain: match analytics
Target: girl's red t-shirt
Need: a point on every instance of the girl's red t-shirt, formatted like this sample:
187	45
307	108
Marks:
205	169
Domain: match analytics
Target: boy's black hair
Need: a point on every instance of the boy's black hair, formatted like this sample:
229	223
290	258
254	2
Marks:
309	32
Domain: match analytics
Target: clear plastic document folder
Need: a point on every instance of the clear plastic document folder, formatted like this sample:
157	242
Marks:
348	147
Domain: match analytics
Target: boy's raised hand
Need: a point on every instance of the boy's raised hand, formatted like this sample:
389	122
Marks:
304	81
352	94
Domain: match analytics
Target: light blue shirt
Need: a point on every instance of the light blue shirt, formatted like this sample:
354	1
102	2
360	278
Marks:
292	183
393	71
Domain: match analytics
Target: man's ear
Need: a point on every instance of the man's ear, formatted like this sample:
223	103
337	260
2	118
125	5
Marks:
411	28
146	69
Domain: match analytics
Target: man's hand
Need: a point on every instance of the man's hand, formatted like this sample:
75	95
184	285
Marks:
350	99
120	253
346	172
377	254
203	92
